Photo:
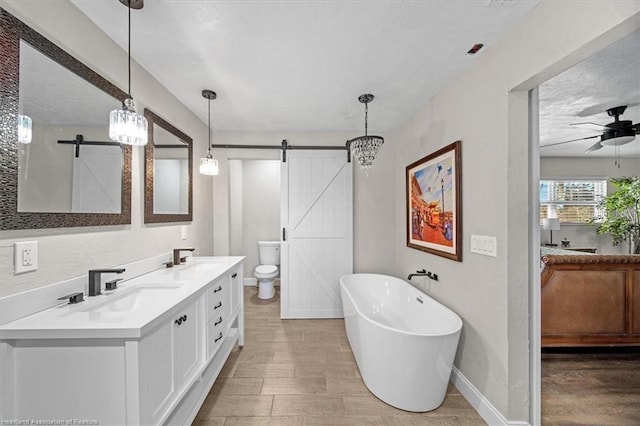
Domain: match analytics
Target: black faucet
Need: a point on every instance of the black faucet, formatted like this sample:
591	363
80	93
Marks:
95	286
424	273
420	273
176	254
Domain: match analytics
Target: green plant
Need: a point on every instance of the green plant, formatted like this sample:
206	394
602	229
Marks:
621	213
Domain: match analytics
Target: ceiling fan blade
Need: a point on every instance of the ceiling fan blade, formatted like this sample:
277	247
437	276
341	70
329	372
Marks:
572	140
590	125
596	146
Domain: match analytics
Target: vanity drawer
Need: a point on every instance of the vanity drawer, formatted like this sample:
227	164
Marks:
218	300
215	336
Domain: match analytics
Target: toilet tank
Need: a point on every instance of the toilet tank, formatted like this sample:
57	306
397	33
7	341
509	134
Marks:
269	252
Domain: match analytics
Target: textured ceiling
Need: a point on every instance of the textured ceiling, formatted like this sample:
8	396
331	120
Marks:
584	92
301	65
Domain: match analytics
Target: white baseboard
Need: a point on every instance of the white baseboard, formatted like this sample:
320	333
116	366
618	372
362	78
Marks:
482	405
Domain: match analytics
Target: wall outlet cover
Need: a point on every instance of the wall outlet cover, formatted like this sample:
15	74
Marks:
26	256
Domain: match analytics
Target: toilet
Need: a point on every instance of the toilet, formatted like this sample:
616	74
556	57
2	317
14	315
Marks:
267	271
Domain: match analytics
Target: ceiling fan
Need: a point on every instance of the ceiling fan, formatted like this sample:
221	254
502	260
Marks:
617	133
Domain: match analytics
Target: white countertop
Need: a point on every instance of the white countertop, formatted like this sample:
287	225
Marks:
131	310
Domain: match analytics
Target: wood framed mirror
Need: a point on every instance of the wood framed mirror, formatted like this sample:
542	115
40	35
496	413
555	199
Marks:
168	159
49	183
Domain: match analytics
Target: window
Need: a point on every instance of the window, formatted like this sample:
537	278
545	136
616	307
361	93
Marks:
571	200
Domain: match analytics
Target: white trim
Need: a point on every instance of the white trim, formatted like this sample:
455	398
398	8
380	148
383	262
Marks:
482	405
535	352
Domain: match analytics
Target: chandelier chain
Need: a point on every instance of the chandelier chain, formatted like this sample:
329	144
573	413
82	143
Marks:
366	118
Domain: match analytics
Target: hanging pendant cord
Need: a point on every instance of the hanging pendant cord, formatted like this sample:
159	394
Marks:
209	127
129	49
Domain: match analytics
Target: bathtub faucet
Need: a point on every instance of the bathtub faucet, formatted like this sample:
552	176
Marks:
420	273
423	273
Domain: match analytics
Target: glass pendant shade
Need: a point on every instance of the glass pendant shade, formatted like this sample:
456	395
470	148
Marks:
24	129
126	126
365	149
209	166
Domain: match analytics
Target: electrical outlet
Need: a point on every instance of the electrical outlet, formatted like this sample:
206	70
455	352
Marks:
26	256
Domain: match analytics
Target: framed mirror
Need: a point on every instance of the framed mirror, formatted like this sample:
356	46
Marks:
168	158
69	173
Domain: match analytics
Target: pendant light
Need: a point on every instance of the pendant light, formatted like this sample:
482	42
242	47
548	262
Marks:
126	126
365	148
24	128
208	164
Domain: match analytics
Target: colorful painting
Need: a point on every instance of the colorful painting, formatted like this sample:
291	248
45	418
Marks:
433	203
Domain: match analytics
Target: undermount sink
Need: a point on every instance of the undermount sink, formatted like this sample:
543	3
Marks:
129	299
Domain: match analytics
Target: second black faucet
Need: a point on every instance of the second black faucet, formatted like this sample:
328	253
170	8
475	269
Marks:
176	255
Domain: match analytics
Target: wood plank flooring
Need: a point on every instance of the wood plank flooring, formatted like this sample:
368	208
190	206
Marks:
583	387
302	373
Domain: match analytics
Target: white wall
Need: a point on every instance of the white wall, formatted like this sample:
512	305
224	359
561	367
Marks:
260	197
373	212
604	168
487	109
70	252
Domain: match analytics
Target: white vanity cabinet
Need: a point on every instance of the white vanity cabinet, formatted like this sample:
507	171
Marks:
158	372
169	357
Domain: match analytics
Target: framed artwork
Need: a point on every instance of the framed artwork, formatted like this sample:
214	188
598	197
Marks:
434	208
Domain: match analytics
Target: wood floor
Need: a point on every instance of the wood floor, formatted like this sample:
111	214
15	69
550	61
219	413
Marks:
302	372
591	388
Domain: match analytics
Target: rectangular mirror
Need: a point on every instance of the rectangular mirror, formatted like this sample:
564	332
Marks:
168	173
69	174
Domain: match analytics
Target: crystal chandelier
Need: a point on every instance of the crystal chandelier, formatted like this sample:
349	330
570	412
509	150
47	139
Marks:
208	164
126	126
24	128
365	148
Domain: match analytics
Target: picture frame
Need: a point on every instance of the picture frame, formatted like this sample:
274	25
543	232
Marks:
432	182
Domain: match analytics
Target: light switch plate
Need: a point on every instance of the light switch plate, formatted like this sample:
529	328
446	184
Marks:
485	245
183	232
26	256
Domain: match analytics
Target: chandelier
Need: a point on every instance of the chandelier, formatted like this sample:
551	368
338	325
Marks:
365	148
208	164
126	126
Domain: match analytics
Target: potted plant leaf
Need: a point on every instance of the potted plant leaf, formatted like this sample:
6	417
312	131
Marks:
620	213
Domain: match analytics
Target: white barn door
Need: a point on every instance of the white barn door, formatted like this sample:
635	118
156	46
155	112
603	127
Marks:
317	222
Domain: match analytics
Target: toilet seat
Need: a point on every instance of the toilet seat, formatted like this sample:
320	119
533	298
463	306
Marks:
266	269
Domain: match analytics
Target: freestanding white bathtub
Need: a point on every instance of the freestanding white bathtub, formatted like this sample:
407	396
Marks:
404	341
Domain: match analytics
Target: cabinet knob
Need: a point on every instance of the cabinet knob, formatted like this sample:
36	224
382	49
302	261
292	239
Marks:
180	320
234	275
218	338
219	305
215	290
218	322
